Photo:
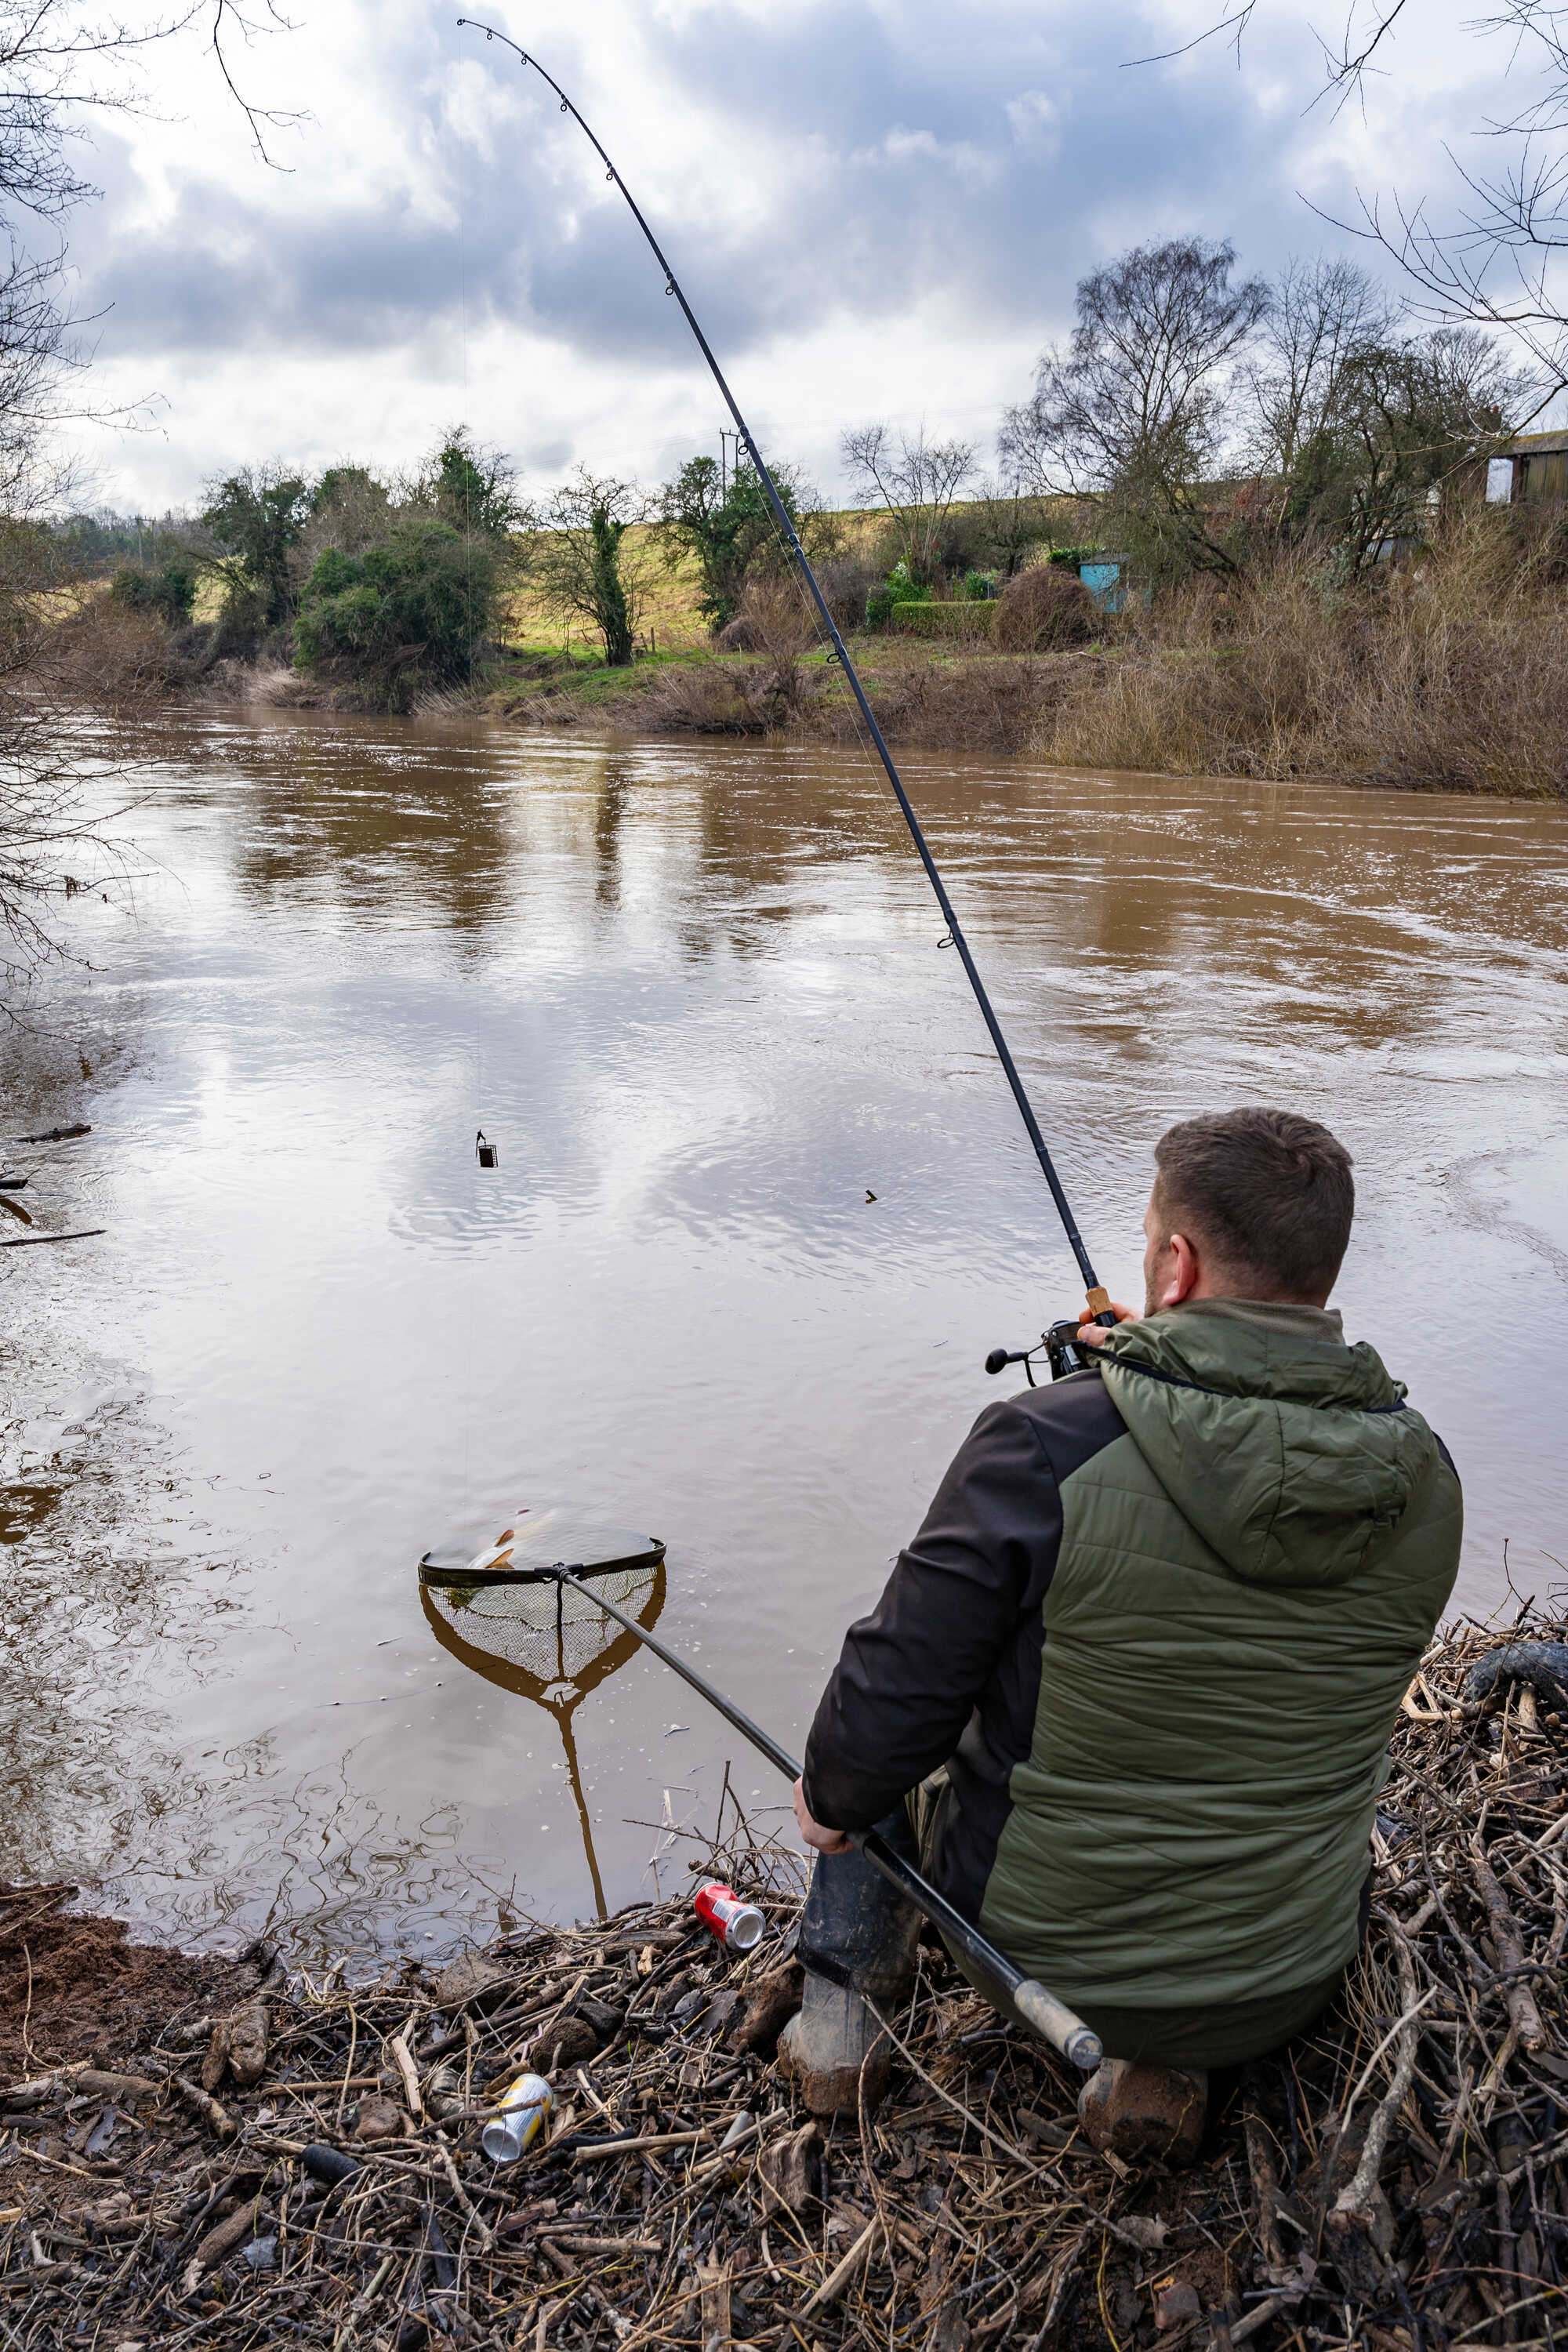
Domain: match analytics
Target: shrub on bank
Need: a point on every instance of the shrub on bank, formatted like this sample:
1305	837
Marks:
166	592
1043	609
1448	673
413	609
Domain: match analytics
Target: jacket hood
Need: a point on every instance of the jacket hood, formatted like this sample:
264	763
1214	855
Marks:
1292	1455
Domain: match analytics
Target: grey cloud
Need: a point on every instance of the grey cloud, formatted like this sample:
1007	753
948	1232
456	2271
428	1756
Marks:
986	155
921	181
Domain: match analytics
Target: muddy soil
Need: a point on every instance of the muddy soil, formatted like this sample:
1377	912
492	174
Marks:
76	1990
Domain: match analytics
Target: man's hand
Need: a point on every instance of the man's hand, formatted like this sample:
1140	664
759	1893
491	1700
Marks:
822	1841
1093	1334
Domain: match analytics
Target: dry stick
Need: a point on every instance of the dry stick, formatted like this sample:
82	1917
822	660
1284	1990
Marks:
1264	2180
1520	2001
837	2280
867	2153
1242	2328
403	2061
957	2105
1036	2171
1070	2261
1405	2018
479	2226
29	2054
36	1240
1354	2198
216	2117
348	2066
591	2154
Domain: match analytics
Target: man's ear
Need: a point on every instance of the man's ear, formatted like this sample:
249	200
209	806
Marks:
1182	1278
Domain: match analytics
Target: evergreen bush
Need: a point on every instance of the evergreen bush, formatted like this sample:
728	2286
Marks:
923	617
169	591
415	608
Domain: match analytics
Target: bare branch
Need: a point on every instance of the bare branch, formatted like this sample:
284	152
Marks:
226	12
917	481
1490	266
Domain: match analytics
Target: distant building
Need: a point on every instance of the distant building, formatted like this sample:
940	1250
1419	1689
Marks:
1531	466
1102	575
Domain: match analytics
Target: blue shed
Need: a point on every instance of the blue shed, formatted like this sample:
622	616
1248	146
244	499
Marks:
1102	575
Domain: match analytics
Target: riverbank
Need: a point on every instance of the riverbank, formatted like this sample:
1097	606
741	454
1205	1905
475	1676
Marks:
244	2153
1478	708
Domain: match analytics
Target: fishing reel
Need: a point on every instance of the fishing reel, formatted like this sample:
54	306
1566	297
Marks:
1061	1347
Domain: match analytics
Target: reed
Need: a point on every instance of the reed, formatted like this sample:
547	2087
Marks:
1448	673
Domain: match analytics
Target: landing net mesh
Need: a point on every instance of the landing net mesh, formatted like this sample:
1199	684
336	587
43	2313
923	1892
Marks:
544	1633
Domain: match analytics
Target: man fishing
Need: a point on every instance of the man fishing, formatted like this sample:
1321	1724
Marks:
1131	1685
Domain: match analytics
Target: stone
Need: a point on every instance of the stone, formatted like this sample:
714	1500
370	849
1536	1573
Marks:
568	2043
247	2042
216	2063
1176	2303
952	2331
379	2118
469	1979
1132	2109
603	2019
834	2051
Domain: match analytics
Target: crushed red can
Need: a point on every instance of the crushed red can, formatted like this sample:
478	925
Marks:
737	1925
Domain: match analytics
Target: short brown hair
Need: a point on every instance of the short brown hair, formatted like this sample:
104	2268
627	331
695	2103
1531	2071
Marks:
1269	1193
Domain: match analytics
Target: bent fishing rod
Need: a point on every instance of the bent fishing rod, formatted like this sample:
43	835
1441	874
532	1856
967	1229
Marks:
1099	1303
1051	2019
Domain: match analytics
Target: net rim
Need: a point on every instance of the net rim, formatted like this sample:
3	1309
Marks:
432	1571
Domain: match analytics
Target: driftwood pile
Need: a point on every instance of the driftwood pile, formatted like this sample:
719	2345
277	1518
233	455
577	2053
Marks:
305	2168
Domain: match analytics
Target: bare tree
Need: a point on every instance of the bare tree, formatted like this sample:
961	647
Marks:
1497	262
917	481
1133	412
1010	519
1323	314
55	62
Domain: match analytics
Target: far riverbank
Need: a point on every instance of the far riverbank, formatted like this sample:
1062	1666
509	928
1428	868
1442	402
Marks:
1449	674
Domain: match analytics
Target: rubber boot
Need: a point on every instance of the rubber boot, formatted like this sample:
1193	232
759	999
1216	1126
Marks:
857	1936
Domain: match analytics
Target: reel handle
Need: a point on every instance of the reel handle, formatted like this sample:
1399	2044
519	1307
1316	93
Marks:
1063	1351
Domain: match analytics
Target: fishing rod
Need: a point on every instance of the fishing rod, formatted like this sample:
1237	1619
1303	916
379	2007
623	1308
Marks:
1099	1303
1051	2019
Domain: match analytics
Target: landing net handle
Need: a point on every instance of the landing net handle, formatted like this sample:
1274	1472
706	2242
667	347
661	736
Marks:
1097	1299
1049	2018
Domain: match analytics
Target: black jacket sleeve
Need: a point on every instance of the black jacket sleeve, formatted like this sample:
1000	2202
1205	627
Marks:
913	1673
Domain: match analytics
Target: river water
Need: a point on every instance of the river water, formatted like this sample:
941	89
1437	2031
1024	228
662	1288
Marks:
695	996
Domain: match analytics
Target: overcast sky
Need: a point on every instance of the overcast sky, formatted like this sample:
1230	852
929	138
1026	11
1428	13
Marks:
878	207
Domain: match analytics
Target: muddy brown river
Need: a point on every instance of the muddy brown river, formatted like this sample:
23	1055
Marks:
695	994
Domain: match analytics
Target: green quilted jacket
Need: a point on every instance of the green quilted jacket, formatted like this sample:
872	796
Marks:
1156	1629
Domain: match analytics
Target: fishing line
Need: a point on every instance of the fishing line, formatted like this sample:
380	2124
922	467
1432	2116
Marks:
1097	1301
471	1350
